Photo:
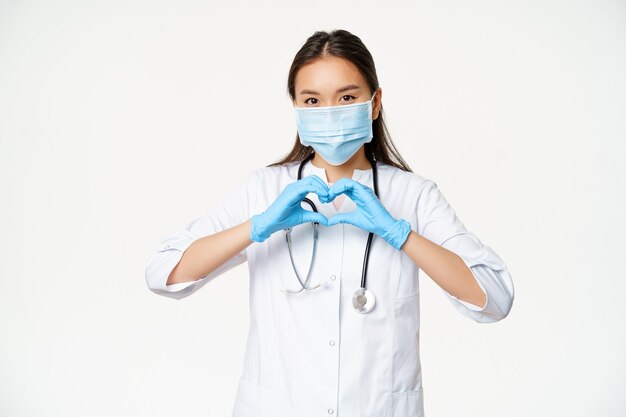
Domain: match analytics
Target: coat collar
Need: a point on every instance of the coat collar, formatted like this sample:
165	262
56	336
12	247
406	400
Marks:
360	175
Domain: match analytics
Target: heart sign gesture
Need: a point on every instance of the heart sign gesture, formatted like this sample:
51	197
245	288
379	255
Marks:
370	214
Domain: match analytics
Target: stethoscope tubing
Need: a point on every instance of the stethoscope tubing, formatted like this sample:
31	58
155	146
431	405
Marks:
371	235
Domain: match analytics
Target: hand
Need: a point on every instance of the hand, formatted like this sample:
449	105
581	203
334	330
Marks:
370	213
286	211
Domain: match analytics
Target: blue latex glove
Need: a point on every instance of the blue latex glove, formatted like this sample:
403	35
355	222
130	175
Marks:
370	213
286	211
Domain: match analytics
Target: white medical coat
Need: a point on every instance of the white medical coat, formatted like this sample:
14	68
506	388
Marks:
311	354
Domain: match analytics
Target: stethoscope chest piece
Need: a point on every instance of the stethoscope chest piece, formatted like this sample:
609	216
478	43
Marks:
363	300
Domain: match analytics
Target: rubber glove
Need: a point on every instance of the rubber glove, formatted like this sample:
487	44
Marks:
286	211
370	213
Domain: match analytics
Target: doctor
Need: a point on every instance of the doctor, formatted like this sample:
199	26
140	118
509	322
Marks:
323	350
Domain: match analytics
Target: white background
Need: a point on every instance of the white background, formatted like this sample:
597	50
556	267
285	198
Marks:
121	121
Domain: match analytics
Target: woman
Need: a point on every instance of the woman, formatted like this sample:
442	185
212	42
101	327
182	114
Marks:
321	340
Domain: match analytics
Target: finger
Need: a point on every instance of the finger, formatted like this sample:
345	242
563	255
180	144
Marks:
317	179
342	186
360	193
313	183
301	188
311	216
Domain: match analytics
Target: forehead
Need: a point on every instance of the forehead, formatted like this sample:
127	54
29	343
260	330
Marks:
327	74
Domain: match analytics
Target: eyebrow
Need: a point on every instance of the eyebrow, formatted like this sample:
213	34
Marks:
340	90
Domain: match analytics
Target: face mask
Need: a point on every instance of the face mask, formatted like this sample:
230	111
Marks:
335	132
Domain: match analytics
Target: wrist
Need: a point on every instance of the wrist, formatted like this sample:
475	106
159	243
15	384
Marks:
256	235
398	233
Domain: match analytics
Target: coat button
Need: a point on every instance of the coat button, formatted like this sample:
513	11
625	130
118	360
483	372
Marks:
330	411
331	342
332	277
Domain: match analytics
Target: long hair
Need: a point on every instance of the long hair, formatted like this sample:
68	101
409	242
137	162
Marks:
343	44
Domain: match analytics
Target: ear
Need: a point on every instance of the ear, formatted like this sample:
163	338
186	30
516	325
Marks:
376	103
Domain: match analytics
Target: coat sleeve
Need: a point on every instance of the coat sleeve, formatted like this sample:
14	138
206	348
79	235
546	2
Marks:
232	210
438	222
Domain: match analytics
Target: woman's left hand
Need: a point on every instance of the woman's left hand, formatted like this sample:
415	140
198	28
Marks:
370	214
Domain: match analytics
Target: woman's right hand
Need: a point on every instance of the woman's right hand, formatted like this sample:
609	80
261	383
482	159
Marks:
286	211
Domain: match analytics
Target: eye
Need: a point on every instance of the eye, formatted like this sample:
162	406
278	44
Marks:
348	95
310	98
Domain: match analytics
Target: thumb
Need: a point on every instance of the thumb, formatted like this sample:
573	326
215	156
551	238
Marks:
340	218
311	216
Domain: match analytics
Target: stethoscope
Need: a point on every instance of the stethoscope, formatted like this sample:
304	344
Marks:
363	299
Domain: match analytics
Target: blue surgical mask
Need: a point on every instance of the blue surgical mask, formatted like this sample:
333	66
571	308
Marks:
336	132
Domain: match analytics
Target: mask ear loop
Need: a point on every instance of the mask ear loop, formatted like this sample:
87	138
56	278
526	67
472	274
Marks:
372	102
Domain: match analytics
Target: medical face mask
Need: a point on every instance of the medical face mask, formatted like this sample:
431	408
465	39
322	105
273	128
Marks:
336	132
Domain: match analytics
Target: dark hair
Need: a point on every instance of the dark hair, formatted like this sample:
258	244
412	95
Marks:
343	44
